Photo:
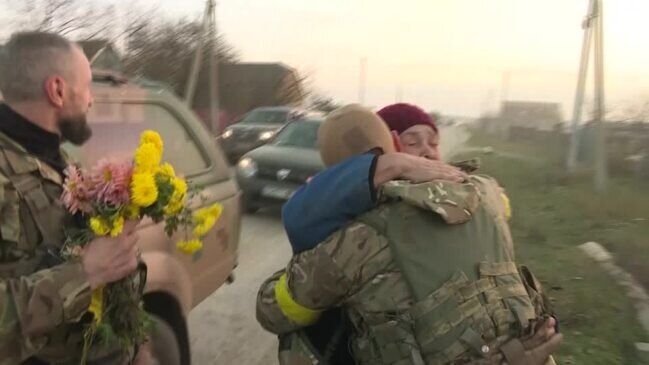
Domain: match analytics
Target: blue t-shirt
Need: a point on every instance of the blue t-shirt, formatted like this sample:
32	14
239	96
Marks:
331	199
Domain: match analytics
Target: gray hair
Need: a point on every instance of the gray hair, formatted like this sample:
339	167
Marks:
28	59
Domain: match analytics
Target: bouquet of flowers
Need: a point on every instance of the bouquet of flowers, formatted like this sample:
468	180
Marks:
107	195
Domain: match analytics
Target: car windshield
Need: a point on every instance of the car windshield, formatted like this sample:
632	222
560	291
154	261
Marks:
301	134
266	117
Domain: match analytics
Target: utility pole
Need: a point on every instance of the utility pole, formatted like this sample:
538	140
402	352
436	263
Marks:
483	106
214	80
190	87
362	80
587	25
601	161
208	35
504	87
593	33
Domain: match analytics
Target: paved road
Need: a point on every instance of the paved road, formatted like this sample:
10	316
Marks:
223	328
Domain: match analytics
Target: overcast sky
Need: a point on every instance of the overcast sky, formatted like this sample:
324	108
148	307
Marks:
447	55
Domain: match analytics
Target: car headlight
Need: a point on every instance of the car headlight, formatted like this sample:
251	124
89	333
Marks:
265	136
247	167
227	133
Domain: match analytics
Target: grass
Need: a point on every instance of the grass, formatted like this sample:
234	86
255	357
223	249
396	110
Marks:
553	214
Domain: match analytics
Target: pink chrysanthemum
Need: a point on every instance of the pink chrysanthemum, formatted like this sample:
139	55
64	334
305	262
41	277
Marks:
109	183
75	191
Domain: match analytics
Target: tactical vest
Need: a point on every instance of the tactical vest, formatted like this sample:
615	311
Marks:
453	294
33	231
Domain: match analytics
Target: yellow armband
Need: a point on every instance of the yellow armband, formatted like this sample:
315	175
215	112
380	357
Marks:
292	309
508	207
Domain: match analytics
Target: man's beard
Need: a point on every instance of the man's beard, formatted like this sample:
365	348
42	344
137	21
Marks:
75	129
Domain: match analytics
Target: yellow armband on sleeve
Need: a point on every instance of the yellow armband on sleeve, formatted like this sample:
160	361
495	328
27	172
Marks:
292	309
508	207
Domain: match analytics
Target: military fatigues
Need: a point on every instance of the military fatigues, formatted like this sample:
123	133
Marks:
42	298
429	277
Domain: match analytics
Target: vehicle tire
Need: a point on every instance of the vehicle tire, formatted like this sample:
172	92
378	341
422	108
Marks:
248	206
250	209
169	323
164	343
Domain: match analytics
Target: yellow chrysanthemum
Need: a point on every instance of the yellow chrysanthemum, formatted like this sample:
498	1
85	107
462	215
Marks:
150	136
201	229
167	171
118	226
216	210
147	158
204	219
99	226
180	187
144	191
132	212
173	208
190	246
177	201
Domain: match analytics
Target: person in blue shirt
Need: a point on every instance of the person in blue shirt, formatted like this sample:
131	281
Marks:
344	191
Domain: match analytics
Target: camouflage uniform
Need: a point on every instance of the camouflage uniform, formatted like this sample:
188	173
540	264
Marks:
428	277
42	298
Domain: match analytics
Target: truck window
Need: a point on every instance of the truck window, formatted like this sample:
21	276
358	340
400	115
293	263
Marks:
116	131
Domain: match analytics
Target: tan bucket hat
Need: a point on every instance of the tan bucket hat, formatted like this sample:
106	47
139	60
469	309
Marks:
352	130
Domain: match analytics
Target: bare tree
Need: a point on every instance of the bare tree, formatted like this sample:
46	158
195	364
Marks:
322	103
154	48
293	90
77	19
163	50
629	111
636	112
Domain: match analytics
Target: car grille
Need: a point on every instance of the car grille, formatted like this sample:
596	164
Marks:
246	136
294	176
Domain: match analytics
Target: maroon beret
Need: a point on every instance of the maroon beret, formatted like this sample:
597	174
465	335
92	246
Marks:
401	116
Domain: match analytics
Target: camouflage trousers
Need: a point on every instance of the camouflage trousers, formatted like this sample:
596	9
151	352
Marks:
295	349
325	342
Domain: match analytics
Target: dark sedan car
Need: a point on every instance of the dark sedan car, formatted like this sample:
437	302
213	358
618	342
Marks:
270	174
257	128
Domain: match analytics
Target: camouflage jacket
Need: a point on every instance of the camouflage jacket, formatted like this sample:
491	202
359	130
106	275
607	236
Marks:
42	298
455	304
